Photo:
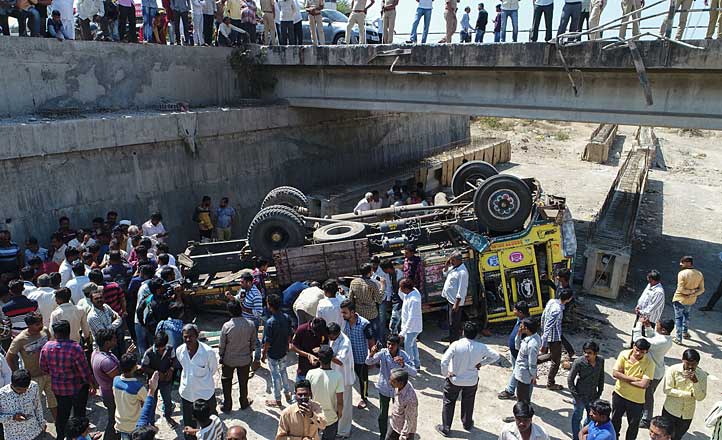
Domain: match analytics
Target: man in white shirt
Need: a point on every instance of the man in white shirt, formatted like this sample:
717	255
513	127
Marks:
660	341
329	308
154	228
79	280
523	427
66	267
460	365
45	296
199	364
75	316
164	262
343	363
363	204
376	201
306	304
651	301
387	277
455	287
411	320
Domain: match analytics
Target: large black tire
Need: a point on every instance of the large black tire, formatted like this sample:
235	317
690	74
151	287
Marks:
474	172
339	231
275	227
502	203
286	196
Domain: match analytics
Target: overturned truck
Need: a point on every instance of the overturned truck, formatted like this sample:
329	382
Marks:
511	234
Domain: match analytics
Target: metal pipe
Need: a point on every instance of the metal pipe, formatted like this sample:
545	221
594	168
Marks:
393	210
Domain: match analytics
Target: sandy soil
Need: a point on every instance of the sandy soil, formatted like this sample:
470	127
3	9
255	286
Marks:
680	215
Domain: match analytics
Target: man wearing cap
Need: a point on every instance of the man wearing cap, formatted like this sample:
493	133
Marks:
454	291
365	203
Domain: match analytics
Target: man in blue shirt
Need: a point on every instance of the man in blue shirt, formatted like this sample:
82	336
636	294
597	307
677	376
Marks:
276	337
600	428
224	220
361	334
521	310
388	359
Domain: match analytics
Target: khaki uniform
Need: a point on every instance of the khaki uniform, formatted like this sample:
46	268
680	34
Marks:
627	7
315	22
269	25
389	21
358	16
715	16
595	16
683	6
450	17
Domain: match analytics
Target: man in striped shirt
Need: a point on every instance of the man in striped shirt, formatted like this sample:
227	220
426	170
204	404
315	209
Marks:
113	294
211	427
251	300
18	306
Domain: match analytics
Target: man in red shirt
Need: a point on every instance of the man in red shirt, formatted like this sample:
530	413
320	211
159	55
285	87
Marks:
70	377
112	292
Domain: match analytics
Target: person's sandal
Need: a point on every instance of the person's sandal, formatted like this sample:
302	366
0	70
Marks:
505	395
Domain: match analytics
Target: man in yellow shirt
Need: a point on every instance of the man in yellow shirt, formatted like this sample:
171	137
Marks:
634	371
685	384
690	285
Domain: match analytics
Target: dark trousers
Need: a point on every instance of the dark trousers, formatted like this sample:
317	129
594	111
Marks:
110	433
66	405
223	41
568	347
126	16
451	393
523	392
86	35
648	411
187	411
330	431
250	28
571	15
236	36
548	12
555	356
454	324
297	33
177	18
679	425
362	373
227	382
384	403
633	410
716	296
287	36
208	20
584	17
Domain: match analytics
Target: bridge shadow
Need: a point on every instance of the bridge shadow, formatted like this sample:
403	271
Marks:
616	150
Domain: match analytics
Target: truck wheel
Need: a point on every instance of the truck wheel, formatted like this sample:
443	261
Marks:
339	231
471	172
275	227
286	196
502	203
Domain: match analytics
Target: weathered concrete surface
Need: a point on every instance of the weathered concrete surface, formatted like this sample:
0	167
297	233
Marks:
656	55
136	163
509	80
43	73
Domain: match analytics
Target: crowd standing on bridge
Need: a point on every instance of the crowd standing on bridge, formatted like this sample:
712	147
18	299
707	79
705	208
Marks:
100	310
232	22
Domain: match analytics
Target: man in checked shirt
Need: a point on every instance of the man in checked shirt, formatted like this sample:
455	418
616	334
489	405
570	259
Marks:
552	335
70	377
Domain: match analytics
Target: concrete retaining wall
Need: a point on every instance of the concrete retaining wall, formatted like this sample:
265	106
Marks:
43	73
141	162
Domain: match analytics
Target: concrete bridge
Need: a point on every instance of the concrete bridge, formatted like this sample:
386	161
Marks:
523	80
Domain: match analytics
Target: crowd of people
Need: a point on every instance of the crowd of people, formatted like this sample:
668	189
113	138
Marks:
232	22
100	311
